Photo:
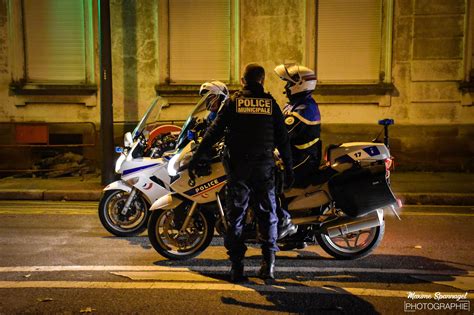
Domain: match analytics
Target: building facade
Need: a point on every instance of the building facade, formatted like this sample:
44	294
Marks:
410	60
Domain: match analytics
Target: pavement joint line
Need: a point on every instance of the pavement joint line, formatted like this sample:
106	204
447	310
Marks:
250	287
459	272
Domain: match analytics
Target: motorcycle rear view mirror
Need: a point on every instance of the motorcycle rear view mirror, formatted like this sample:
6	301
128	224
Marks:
127	140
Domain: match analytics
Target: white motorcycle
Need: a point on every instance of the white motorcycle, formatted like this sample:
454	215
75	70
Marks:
343	211
124	205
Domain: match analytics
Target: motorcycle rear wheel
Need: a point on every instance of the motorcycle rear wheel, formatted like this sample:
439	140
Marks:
110	206
346	247
163	232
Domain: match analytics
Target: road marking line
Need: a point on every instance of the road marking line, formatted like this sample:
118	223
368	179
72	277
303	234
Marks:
21	207
49	203
437	206
459	272
48	212
165	276
435	214
458	282
45	207
212	287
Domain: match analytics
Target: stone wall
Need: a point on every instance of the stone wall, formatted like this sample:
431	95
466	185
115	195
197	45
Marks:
434	119
415	148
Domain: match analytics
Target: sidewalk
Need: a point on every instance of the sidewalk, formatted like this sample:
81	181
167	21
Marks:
87	188
412	188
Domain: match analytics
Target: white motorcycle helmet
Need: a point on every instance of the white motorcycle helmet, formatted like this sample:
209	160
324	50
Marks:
299	79
218	94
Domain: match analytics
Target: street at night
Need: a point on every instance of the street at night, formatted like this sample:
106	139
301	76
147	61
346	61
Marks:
57	258
320	118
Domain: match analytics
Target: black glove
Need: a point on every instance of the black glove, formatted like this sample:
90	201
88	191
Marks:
289	178
192	169
199	168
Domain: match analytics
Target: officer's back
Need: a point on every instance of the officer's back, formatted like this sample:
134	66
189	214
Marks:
251	128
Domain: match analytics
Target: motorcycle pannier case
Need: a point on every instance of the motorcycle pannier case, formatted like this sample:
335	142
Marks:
361	190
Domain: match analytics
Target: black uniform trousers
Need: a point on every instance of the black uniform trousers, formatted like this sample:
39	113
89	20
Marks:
251	181
306	167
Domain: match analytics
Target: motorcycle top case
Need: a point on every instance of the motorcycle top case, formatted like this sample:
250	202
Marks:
358	191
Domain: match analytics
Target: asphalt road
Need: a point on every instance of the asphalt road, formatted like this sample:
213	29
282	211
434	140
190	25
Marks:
57	258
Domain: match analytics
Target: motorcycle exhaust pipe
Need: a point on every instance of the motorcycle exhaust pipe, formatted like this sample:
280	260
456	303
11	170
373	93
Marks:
349	225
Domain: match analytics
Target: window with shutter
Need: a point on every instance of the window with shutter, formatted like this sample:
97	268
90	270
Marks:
199	40
349	41
54	40
471	27
51	45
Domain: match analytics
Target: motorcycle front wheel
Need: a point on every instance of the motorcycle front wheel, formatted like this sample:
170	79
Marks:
353	245
165	236
130	224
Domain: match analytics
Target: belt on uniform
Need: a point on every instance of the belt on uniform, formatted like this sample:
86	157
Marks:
307	144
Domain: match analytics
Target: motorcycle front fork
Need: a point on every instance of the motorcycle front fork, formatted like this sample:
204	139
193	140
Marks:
193	209
130	198
188	218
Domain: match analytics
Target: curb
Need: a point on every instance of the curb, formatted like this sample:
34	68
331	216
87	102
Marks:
73	195
15	194
54	195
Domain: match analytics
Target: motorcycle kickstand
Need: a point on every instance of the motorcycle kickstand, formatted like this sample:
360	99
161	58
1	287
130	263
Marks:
129	201
188	218
392	207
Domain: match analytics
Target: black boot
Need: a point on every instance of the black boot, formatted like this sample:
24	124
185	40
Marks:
237	272
286	228
267	267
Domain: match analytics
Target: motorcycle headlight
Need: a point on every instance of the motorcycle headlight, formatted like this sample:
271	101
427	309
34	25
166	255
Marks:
127	140
173	165
132	181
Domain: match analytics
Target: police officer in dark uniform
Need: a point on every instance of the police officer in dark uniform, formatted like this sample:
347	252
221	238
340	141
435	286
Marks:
303	121
253	125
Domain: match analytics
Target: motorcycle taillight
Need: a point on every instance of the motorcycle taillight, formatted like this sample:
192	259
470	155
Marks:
399	203
388	164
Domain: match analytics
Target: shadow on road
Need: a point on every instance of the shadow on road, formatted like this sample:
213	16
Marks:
141	241
289	293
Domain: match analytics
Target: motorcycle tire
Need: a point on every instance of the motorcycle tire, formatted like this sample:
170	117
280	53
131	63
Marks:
163	235
110	199
345	254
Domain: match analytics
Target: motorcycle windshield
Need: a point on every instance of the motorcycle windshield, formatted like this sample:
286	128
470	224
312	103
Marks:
151	115
199	111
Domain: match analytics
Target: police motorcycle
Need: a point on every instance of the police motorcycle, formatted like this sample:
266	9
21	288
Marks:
124	205
343	211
